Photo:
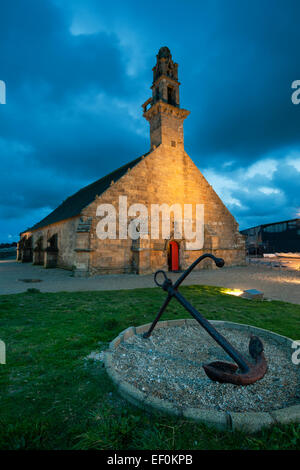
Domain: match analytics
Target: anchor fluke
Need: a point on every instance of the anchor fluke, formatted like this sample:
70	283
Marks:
226	372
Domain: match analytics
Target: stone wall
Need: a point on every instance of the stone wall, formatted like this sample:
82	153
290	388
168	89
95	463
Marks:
66	242
166	124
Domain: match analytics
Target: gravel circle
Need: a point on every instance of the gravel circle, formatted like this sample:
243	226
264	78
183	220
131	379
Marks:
168	366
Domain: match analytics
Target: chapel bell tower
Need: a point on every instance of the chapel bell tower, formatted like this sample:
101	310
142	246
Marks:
164	114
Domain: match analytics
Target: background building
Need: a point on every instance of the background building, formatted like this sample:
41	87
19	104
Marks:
276	237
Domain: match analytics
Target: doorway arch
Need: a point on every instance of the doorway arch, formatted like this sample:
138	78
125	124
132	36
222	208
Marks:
173	256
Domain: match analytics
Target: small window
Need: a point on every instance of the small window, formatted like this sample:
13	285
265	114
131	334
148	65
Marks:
171	95
52	242
276	228
173	143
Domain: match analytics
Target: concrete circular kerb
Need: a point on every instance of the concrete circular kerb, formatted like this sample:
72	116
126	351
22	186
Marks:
249	422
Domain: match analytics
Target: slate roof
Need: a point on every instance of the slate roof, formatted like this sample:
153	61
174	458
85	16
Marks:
74	204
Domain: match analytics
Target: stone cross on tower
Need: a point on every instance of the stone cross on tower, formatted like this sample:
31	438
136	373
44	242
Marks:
164	114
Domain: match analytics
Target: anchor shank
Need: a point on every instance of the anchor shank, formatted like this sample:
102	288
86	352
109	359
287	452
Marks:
164	306
231	351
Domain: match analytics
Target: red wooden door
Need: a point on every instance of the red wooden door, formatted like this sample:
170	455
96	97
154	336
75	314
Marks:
174	254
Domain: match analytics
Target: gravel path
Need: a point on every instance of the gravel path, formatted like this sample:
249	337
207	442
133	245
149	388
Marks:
276	283
168	366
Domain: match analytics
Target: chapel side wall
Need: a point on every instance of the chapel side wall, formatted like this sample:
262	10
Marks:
116	256
166	175
66	240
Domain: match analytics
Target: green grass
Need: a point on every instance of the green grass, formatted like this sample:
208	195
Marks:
51	398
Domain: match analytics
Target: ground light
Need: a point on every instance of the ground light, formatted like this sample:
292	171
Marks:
236	292
246	294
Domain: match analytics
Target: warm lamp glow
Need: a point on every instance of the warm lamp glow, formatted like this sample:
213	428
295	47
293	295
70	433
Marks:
236	292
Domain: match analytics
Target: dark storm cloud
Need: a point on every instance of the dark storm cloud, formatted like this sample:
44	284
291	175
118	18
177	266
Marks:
78	70
287	179
37	49
267	199
245	86
53	138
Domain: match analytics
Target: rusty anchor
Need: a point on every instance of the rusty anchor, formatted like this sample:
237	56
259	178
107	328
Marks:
241	373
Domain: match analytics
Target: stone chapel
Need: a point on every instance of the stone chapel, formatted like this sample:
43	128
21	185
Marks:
67	237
